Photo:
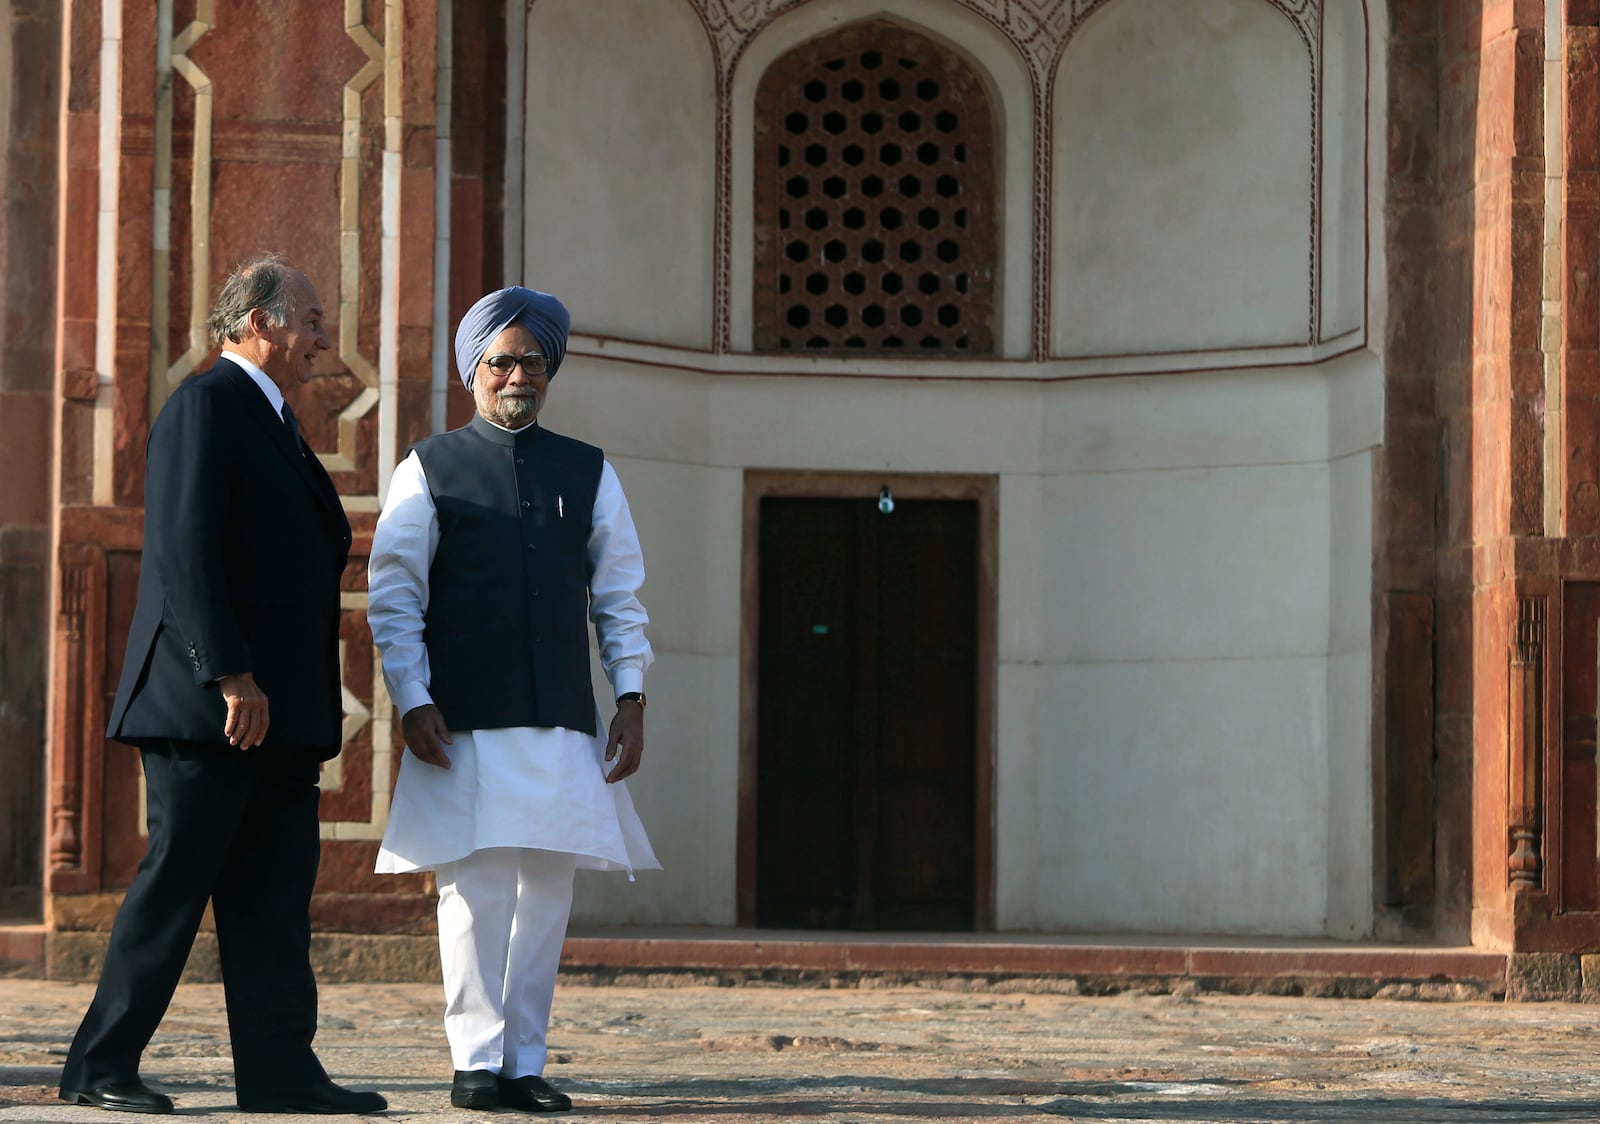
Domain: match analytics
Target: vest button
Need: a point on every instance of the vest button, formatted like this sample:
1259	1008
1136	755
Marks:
525	503
519	460
532	547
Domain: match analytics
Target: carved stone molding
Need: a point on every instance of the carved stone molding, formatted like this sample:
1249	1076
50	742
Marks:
350	169
1525	749
77	745
1040	29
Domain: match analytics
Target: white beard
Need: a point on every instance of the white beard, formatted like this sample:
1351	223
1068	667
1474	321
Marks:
508	410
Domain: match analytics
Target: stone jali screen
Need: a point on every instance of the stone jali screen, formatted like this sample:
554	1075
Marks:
874	198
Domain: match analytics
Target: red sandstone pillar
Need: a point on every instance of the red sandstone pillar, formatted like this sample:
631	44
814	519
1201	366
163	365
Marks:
281	128
1489	404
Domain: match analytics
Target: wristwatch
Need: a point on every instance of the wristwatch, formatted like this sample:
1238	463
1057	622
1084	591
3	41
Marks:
632	696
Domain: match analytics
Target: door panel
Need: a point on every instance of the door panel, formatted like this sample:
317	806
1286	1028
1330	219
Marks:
1581	620
867	714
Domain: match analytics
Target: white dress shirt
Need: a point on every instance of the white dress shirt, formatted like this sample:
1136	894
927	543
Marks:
259	377
518	787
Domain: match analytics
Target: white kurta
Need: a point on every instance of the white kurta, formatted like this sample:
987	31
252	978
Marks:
519	787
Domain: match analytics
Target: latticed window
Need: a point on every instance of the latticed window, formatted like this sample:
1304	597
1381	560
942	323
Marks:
874	198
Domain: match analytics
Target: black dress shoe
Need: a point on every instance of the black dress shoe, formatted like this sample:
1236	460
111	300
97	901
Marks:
121	1096
532	1094
323	1099
475	1088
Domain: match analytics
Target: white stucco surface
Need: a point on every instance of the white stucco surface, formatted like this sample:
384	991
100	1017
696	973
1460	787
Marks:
876	424
1355	391
1184	796
1182	740
1183	681
1182	180
1344	166
1184	421
1350	816
1220	563
621	168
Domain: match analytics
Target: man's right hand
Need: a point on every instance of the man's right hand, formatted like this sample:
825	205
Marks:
247	722
426	734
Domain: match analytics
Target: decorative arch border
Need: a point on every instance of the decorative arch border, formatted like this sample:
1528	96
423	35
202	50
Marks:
1041	31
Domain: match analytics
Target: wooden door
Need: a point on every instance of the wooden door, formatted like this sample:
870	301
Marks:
1578	870
24	648
867	701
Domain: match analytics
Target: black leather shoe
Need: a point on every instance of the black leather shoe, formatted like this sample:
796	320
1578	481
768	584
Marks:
475	1088
532	1094
323	1099
121	1096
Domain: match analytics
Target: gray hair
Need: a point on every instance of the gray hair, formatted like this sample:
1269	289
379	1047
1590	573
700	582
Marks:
260	282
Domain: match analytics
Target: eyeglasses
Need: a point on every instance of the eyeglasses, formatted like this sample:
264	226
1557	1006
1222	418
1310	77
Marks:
533	363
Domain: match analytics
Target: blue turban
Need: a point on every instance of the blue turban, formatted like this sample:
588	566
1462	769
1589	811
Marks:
540	313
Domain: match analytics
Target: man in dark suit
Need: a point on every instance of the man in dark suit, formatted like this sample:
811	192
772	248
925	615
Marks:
230	690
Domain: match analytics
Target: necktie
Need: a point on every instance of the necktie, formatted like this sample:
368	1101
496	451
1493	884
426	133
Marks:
294	430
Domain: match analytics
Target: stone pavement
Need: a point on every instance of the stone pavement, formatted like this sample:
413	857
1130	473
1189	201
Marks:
898	1053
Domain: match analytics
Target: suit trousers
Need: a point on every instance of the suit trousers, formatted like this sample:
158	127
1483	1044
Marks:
502	920
239	829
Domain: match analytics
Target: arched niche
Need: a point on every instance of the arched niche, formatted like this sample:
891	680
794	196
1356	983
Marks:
1183	187
620	166
1005	74
875	198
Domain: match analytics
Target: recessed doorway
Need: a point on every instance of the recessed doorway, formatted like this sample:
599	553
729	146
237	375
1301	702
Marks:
866	776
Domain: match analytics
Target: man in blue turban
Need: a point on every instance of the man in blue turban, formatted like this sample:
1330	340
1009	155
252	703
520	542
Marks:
497	544
540	313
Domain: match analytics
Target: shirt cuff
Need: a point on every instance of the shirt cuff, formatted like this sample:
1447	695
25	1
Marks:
625	679
410	696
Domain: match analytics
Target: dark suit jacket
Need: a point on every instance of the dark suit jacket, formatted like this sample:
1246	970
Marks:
244	545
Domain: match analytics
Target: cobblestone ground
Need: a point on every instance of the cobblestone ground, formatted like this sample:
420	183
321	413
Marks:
775	1054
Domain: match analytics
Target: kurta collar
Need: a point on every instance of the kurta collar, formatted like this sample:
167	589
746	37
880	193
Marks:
517	438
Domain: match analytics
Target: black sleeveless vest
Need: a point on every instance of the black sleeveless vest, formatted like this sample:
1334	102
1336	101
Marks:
507	624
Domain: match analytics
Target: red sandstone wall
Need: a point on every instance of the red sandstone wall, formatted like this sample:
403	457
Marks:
1488	608
284	130
30	134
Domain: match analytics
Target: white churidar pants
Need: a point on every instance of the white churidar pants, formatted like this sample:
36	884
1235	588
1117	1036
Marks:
502	920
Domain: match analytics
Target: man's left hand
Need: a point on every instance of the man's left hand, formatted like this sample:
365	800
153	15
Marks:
627	735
